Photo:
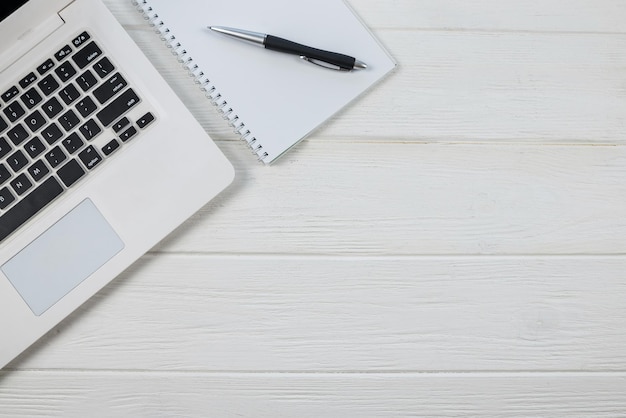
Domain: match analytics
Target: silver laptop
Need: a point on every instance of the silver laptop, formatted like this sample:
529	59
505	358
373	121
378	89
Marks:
99	160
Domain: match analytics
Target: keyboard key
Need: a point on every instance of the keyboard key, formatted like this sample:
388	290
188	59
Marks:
52	107
17	161
73	143
145	120
70	173
63	53
25	209
35	147
87	55
121	124
35	121
69	120
69	94
21	184
45	67
90	157
5	174
86	107
14	111
31	98
52	134
3	124
48	85
55	157
38	170
28	80
110	148
18	134
8	95
110	88
65	71
4	147
128	134
6	198
118	107
81	39
86	80
104	67
90	129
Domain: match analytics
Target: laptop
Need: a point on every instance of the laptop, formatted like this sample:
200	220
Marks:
99	161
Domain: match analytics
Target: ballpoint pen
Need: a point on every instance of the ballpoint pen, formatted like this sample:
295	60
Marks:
326	59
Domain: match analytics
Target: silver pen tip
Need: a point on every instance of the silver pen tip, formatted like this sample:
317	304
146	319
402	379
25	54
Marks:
360	65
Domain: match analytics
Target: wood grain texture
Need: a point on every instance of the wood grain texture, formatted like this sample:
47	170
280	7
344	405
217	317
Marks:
156	394
272	313
451	244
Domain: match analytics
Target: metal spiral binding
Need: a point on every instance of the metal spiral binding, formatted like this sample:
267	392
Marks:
210	91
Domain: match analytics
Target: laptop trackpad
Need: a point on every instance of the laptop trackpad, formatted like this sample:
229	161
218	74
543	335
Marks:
62	257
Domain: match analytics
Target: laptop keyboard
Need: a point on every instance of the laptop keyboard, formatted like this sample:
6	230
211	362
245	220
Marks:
58	124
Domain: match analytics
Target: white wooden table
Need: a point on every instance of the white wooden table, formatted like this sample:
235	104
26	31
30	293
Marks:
452	244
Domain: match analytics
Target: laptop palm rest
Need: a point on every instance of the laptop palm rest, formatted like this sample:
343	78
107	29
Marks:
62	257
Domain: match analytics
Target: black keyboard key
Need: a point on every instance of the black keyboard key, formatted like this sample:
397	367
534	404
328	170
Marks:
35	147
31	98
14	111
86	106
128	134
69	120
86	80
110	148
104	68
38	170
90	129
3	124
118	107
63	53
45	67
87	55
55	157
48	85
52	134
110	88
8	95
90	157
65	71
5	174
52	107
39	198
73	143
21	184
81	39
70	173
6	198
35	121
17	161
4	147
69	94
18	134
28	80
145	120
121	124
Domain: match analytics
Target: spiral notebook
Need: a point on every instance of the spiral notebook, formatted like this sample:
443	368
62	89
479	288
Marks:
272	100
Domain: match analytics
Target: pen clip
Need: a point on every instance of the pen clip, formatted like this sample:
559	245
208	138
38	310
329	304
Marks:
323	64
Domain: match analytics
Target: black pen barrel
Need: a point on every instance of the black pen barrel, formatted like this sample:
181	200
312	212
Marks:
275	43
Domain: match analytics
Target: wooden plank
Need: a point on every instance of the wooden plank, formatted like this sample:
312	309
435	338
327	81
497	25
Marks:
603	16
403	199
476	87
349	313
64	394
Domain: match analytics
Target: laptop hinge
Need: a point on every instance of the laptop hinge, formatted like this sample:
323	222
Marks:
28	39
